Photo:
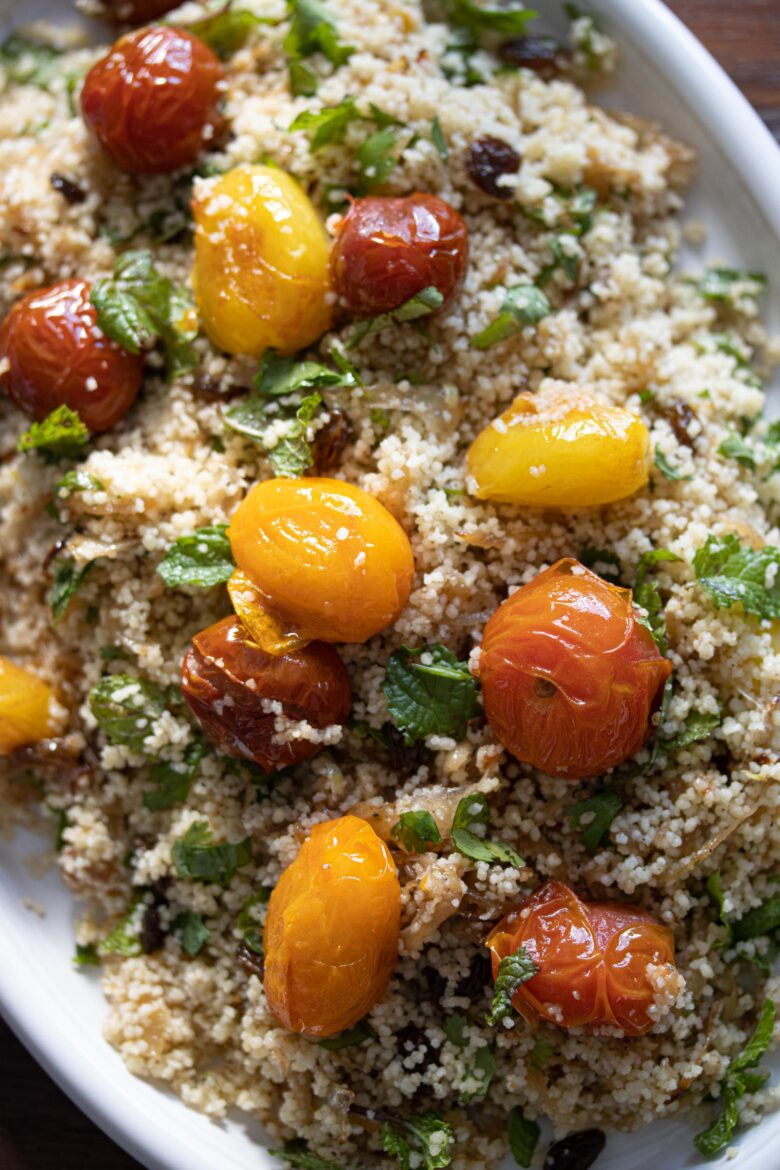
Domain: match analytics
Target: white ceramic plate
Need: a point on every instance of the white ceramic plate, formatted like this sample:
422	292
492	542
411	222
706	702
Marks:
57	1012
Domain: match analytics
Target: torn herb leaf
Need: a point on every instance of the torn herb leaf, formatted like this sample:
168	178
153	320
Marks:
329	126
698	725
68	579
62	435
125	708
721	284
509	19
416	830
203	559
439	141
227	30
419	1143
28	61
192	931
513	971
647	595
279	376
76	480
429	692
250	923
758	922
350	1038
668	471
715	891
737	448
472	812
124	939
312	30
603	562
523	1136
422	305
196	858
732	574
172	782
524	304
604	807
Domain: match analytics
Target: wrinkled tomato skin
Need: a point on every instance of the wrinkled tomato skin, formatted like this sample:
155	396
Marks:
331	933
389	249
56	355
311	684
570	677
153	101
593	960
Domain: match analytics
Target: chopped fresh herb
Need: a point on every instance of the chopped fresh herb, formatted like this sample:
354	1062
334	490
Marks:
666	468
738	1081
330	125
437	696
139	306
62	435
735	447
292	455
198	859
202	558
279	376
416	830
124	938
86	955
77	481
68	579
192	931
479	1074
249	924
565	255
760	921
698	725
439	141
648	596
523	1137
227	30
603	562
172	782
125	708
510	19
312	30
524	304
732	574
583	35
112	653
349	1038
27	61
380	419
715	891
376	159
297	1154
720	284
513	971
473	811
61	821
601	808
419	1143
421	305
541	1054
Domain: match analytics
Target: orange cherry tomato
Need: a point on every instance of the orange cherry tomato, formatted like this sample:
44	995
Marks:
26	707
389	249
593	960
325	555
331	933
570	677
153	101
228	682
54	354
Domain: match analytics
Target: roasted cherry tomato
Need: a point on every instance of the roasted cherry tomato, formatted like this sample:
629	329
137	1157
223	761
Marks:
570	677
26	704
390	249
331	933
138	11
230	684
52	353
593	960
325	556
261	262
555	450
153	101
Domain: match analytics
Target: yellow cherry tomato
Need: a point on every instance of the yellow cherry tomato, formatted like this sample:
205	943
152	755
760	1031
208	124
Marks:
261	272
331	933
559	450
325	556
25	707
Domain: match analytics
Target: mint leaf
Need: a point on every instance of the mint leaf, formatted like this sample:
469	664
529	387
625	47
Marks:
760	921
86	956
509	19
436	697
422	305
329	126
523	1137
192	931
513	971
731	574
292	455
203	559
667	469
296	1153
416	830
541	1053
603	562
524	304
279	376
125	708
698	725
735	447
312	30
419	1143
76	481
715	890
124	938
350	1038
172	782
721	284
249	923
604	806
376	159
62	435
439	141
197	859
474	811
68	579
228	30
28	61
647	595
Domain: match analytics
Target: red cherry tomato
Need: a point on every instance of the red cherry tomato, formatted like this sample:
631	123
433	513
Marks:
570	677
227	682
153	100
54	354
138	11
390	249
593	960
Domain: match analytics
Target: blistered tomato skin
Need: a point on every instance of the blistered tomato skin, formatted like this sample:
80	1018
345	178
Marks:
389	249
261	263
593	960
326	556
153	101
227	683
56	355
570	678
331	933
553	450
25	707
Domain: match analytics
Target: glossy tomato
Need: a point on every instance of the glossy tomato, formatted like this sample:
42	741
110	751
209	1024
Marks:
389	249
594	960
153	100
138	11
331	934
54	354
570	677
230	685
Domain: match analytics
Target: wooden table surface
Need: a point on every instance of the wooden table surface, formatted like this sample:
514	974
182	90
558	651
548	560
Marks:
39	1128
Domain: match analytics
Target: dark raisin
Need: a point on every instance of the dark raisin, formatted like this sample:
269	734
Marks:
472	986
248	961
435	982
487	160
330	443
404	758
541	54
577	1151
68	189
151	934
680	416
